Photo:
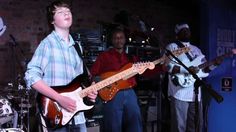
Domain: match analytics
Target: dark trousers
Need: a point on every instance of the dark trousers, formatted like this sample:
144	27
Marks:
122	113
183	115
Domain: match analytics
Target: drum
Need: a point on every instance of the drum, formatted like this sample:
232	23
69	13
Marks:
11	130
6	112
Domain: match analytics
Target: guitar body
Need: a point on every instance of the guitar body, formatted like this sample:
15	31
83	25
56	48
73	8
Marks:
110	91
54	115
187	80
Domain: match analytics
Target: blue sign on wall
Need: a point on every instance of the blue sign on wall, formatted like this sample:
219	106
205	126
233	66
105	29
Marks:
219	30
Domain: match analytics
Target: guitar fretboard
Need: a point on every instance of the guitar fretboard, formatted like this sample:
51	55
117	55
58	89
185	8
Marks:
108	81
206	64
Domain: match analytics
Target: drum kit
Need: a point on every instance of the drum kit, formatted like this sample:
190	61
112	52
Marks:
15	98
14	108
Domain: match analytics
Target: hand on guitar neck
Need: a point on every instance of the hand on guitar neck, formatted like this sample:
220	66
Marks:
220	59
92	95
233	51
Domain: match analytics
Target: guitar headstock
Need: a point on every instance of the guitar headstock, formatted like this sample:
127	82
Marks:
181	51
140	67
176	52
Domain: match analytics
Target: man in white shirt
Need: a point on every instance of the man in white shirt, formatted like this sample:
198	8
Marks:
182	97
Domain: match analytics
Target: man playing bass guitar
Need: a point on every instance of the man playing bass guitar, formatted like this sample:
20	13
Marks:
180	86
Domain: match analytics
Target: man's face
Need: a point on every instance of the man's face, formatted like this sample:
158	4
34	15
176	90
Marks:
184	35
118	40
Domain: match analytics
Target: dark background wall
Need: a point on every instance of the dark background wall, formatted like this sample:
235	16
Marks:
26	21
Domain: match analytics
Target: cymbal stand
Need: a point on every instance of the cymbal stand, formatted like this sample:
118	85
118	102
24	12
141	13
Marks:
23	111
28	109
15	60
21	114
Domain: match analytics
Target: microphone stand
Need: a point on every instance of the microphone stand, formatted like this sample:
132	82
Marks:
16	59
198	83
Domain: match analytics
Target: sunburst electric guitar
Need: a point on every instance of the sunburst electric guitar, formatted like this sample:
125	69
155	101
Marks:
55	116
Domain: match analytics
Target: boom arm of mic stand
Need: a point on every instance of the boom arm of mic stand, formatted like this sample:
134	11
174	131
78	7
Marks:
198	81
209	89
15	44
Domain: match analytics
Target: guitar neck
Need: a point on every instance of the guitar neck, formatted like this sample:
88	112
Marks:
108	81
128	73
159	60
206	64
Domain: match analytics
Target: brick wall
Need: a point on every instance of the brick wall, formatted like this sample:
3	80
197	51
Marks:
26	21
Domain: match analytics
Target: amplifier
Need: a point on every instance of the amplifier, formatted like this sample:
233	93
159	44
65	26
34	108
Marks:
147	53
93	129
92	126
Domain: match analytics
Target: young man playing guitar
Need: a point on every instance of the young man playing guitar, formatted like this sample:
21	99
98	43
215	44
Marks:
56	62
121	112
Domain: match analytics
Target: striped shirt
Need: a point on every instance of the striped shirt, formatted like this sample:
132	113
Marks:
56	63
178	92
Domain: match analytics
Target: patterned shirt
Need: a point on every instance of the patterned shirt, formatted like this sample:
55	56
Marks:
180	93
56	63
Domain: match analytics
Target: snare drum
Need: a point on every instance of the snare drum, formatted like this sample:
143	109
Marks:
11	130
6	113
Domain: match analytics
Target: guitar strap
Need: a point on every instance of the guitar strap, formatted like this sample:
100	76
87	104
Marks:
79	51
182	46
175	78
86	75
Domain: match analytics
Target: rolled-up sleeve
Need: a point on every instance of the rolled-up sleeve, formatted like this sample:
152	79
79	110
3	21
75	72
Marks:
36	67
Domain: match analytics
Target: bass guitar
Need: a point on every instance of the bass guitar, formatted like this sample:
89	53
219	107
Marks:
186	80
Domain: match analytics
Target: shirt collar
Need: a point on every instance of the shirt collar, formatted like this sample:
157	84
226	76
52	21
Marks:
186	44
71	43
116	52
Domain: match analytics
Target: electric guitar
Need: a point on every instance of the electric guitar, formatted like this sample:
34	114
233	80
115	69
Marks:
55	116
186	80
